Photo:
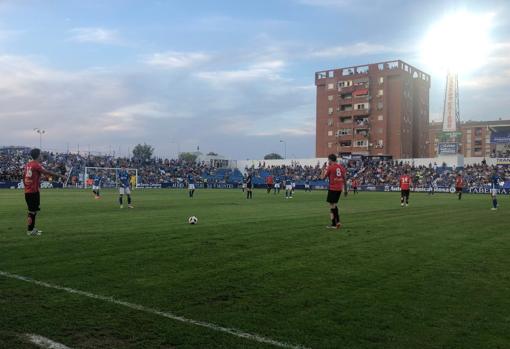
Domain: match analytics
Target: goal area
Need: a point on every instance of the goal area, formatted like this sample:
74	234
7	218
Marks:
109	176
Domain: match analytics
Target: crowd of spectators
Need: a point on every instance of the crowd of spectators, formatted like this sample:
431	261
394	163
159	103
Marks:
156	170
151	171
387	172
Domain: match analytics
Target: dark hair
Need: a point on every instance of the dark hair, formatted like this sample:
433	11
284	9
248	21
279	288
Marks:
34	153
332	157
405	171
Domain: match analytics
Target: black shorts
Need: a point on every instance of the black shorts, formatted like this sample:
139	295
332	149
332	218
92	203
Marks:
404	193
333	196
458	190
33	201
269	186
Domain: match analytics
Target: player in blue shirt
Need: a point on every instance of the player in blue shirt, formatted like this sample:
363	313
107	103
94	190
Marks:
191	185
96	186
124	186
277	185
494	189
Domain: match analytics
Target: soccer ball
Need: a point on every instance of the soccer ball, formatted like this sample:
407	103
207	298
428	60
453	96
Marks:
192	220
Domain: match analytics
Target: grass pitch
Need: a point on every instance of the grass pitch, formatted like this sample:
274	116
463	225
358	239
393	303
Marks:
433	275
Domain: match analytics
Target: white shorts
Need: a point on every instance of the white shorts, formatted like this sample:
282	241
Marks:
307	186
95	187
244	185
277	185
494	192
191	186
123	191
293	185
288	187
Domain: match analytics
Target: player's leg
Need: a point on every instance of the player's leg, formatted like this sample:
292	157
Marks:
402	194
33	201
121	195
332	208
128	194
494	199
407	196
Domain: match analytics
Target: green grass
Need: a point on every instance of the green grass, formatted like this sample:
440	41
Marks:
433	275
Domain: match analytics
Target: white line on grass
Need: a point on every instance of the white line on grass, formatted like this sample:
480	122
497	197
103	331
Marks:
44	342
232	331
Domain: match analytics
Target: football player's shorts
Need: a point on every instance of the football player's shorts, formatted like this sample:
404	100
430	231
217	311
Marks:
277	185
126	191
293	185
494	192
307	186
95	187
288	187
191	186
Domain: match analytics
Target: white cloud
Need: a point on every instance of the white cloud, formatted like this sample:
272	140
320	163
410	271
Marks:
262	70
176	60
357	49
94	35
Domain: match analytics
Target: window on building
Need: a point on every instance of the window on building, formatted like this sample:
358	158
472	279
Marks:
380	93
321	75
379	105
330	122
380	117
346	107
330	98
381	80
346	95
345	83
478	143
330	133
344	131
380	130
478	132
361	143
330	110
331	74
331	86
346	143
346	120
330	144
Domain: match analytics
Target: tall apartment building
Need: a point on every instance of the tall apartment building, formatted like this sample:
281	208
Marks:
374	109
476	138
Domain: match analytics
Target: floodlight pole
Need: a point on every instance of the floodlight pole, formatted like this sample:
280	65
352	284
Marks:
284	148
40	132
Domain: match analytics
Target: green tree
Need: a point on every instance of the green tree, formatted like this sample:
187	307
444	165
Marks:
188	157
272	156
143	152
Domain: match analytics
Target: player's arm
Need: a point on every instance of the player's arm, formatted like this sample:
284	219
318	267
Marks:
51	173
325	173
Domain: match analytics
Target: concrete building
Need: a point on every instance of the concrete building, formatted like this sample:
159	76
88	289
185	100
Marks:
475	139
374	109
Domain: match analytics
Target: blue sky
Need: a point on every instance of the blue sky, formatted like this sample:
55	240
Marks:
233	77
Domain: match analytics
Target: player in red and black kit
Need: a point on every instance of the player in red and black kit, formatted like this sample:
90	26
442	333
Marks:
31	181
405	186
354	185
269	183
336	175
459	185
